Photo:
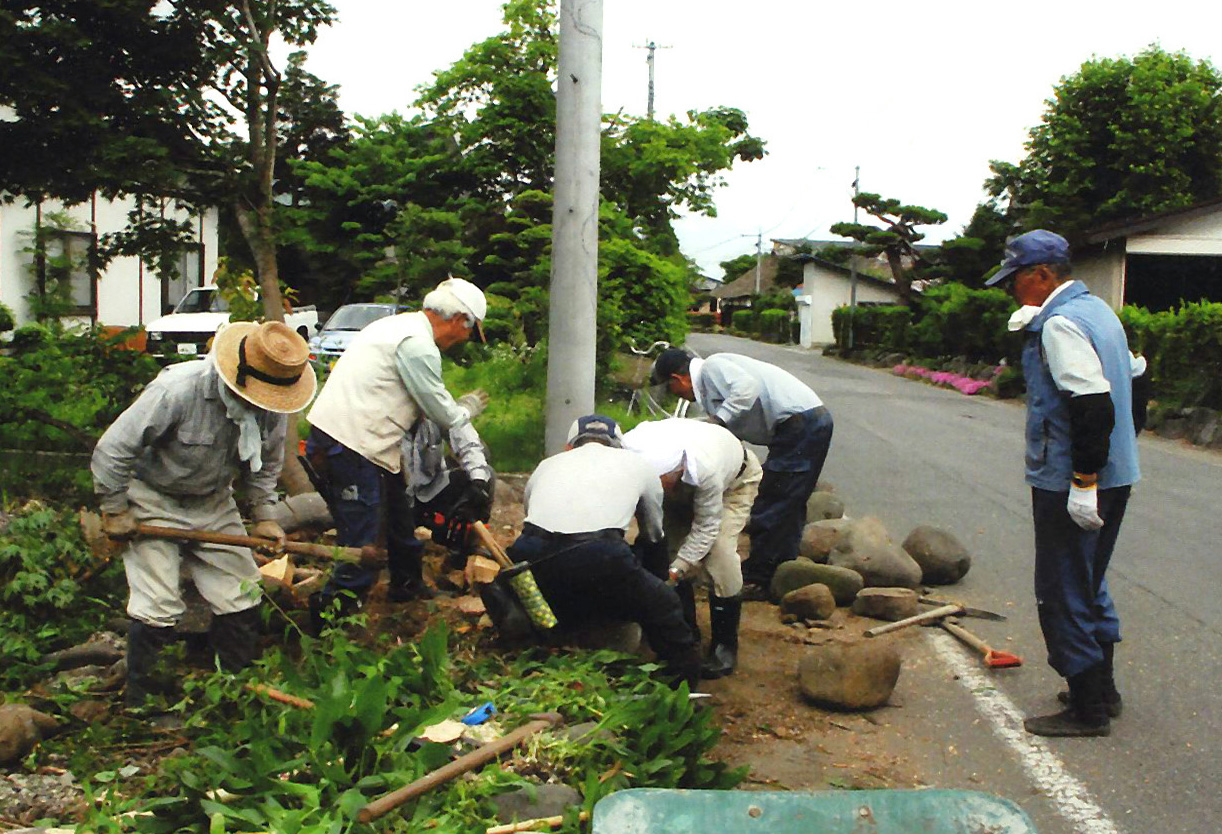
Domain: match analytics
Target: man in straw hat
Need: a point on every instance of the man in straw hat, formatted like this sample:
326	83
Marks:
172	458
579	504
387	381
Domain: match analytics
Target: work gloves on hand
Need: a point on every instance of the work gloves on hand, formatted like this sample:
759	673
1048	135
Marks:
476	501
119	526
681	569
474	401
1083	504
269	530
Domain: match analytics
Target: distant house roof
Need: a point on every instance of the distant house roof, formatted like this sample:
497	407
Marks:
744	285
844	270
1137	225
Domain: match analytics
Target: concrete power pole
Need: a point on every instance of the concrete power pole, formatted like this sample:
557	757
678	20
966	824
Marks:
759	258
652	47
853	263
572	323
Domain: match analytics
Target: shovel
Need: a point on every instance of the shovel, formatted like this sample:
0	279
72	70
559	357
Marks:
993	658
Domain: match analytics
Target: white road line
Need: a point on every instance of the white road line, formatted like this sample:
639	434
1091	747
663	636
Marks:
1069	797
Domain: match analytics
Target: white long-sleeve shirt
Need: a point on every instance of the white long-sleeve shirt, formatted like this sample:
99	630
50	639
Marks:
595	487
711	458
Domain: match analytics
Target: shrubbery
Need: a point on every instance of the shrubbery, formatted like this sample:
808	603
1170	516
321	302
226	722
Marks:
743	320
1184	349
774	325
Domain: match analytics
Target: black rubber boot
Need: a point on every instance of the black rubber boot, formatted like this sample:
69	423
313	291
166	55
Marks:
1087	713
724	614
1111	695
144	643
687	598
405	562
235	639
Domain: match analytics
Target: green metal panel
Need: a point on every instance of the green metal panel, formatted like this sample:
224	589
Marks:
658	811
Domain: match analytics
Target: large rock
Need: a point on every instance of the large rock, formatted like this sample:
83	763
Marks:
866	548
810	602
22	727
858	675
535	802
798	573
819	537
823	505
887	603
305	510
942	558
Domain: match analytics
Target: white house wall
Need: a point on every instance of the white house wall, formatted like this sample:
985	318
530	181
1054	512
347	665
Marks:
128	291
1103	273
828	289
1194	236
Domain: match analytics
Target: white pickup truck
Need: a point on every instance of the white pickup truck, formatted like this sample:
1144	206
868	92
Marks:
187	331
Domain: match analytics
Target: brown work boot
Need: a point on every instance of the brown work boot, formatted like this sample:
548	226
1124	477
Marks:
1087	714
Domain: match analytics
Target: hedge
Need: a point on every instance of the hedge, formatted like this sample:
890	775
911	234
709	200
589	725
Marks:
774	325
743	320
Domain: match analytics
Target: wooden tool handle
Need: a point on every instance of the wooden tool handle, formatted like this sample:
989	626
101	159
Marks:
966	636
322	551
461	765
919	619
494	547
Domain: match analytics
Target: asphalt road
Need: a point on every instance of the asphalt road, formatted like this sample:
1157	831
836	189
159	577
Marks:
910	454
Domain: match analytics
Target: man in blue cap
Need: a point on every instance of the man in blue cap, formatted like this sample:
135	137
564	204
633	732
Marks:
1081	464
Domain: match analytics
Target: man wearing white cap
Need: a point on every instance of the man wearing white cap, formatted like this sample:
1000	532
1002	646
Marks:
710	480
171	459
387	380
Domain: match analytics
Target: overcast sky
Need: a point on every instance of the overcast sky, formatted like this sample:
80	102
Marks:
920	95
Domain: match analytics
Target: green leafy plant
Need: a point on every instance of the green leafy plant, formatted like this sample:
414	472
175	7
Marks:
53	589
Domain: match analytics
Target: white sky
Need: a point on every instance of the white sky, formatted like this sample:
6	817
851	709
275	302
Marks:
920	95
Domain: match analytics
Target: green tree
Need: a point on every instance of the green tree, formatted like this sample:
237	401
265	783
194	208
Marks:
896	238
1122	137
968	258
736	266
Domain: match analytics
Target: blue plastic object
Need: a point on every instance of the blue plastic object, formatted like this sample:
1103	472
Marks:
662	811
479	715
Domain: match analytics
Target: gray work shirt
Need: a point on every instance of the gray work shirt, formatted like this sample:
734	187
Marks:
177	438
749	396
595	487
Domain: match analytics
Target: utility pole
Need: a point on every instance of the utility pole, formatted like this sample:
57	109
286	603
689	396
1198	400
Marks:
853	262
572	323
652	47
759	258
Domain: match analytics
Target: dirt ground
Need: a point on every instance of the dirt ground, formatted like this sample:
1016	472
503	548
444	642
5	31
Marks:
787	742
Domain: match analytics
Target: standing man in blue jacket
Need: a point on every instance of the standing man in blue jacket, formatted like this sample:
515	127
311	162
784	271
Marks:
762	404
1081	465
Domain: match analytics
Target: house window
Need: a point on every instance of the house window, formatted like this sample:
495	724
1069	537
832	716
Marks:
66	271
187	275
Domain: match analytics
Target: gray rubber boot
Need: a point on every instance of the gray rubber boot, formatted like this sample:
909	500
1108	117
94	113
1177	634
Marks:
1087	712
235	638
724	615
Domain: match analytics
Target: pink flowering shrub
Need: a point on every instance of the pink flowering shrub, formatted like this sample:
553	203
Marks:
947	379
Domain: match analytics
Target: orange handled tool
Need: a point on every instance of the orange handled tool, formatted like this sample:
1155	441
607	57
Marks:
993	658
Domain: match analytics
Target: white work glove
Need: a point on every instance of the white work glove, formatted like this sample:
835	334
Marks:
119	526
474	401
269	530
681	569
1083	507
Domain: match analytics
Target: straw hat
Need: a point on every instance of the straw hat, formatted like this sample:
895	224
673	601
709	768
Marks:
265	364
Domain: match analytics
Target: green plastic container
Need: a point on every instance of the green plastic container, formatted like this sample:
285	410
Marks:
658	811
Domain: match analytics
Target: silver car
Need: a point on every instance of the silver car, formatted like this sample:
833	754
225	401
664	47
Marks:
333	338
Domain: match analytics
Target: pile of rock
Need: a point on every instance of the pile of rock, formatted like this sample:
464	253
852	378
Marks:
854	562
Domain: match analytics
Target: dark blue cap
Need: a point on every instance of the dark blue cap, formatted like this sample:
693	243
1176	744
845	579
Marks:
596	427
1038	247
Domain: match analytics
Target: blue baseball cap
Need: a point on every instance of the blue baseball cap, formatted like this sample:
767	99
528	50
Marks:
1038	247
597	427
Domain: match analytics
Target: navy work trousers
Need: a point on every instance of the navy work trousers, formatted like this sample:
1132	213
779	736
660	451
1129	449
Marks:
795	459
1076	611
365	498
602	580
